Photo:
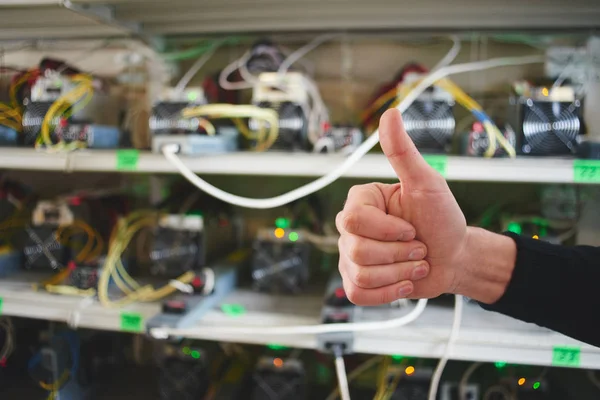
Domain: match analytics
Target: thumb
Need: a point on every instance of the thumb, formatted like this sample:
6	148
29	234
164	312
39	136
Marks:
410	167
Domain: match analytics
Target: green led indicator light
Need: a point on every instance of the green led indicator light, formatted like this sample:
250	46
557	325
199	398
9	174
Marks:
195	354
233	310
187	351
536	386
275	346
293	236
515	227
500	364
193	96
282	223
397	357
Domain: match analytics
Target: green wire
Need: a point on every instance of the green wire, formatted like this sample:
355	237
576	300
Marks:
198	50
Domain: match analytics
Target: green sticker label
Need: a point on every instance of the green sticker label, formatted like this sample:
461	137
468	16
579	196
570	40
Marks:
1	305
566	356
132	322
439	163
127	160
233	310
586	171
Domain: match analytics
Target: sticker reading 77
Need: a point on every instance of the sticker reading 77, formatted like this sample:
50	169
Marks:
586	171
439	163
566	356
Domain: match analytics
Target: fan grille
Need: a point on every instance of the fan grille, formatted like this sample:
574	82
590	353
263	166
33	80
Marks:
167	119
550	127
32	120
430	124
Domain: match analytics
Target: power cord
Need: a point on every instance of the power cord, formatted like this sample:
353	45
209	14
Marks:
437	374
318	184
299	329
340	369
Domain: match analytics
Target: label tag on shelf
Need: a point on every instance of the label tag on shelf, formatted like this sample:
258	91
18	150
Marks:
439	163
586	171
132	322
127	160
564	356
233	310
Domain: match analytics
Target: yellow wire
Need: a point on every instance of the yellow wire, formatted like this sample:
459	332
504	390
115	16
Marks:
64	107
55	386
89	252
15	86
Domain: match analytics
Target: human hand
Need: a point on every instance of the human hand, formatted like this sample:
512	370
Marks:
383	226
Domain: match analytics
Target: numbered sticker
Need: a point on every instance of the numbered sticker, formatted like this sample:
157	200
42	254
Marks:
586	171
127	160
566	356
132	322
233	310
439	163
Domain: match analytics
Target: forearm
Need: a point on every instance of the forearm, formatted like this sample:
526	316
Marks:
487	265
550	285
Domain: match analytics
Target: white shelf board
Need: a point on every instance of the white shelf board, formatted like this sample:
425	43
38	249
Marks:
372	166
484	336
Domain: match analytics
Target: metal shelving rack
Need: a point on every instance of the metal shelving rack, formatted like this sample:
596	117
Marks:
483	337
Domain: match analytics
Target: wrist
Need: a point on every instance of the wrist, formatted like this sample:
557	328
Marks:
486	265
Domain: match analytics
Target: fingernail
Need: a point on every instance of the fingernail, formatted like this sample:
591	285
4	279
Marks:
405	290
406	236
416	254
419	272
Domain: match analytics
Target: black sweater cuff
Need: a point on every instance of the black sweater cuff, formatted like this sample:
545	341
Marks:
553	286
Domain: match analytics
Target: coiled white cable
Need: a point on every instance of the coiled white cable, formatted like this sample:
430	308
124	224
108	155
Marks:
318	184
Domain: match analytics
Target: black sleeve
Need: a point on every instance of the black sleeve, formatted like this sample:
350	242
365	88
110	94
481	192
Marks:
557	287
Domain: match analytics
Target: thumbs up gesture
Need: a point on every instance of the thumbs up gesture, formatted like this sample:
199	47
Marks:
402	240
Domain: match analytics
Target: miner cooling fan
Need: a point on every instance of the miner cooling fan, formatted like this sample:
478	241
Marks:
292	125
166	115
548	121
429	120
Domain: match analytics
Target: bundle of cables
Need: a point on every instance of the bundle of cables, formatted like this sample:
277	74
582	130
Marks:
62	109
89	254
114	269
11	115
266	57
267	121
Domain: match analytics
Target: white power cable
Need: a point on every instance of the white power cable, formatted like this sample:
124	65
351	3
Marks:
437	374
170	151
450	56
187	77
225	83
300	329
340	369
209	281
462	385
302	51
